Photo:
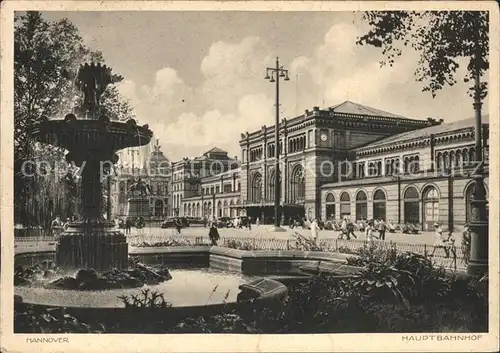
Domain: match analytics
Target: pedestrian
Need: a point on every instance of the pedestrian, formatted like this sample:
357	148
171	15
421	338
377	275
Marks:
466	243
66	224
56	223
350	230
314	229
178	226
257	221
381	229
249	223
369	233
343	229
440	240
213	234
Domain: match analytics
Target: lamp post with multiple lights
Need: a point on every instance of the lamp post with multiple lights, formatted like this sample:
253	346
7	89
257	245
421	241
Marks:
274	75
478	262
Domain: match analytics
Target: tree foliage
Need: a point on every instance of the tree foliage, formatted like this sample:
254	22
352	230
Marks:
440	37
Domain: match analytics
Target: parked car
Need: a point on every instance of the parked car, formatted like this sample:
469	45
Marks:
171	222
196	221
225	222
243	221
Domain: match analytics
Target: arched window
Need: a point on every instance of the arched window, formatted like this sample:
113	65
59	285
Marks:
185	210
472	155
256	188
298	186
405	164
198	213
465	156
458	159
330	206
272	184
231	209
452	159
446	160
158	210
411	206
361	206
379	209
345	205
219	209
431	206
440	162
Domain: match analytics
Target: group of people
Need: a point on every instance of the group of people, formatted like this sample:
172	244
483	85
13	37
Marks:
57	225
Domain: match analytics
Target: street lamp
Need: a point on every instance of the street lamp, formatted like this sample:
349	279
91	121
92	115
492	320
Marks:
279	72
478	261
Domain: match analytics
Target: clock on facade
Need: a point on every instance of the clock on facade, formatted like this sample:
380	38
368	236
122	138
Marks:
324	137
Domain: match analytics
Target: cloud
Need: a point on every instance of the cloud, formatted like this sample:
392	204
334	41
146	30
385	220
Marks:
232	96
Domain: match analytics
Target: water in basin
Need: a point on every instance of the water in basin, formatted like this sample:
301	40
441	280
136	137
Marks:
188	287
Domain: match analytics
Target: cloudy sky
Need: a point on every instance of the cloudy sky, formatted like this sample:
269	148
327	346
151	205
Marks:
197	78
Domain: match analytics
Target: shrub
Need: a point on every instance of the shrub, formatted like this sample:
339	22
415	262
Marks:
146	299
346	250
239	244
30	319
222	323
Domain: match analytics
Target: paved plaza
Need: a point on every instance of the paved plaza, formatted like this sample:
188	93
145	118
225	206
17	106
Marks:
263	231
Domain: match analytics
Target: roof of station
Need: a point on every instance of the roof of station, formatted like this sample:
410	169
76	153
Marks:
426	132
349	107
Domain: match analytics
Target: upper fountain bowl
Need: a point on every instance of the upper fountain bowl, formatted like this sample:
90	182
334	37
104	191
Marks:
88	135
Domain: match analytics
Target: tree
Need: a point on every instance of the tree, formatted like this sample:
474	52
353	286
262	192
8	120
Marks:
441	38
44	53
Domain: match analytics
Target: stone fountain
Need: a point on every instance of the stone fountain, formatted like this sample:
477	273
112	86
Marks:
92	141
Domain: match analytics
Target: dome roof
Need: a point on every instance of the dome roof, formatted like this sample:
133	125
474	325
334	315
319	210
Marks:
157	159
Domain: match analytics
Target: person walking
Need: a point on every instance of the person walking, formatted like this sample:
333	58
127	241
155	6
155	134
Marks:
466	243
257	222
178	226
314	229
343	229
213	234
440	240
381	229
128	225
350	230
369	233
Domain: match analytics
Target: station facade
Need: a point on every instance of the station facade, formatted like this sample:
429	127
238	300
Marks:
207	186
346	161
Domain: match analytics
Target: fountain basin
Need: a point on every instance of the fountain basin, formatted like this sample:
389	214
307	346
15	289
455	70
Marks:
188	287
82	134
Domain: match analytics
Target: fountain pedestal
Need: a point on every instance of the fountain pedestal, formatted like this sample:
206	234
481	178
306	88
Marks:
97	247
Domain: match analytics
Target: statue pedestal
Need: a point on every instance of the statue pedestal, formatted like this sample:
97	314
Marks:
138	207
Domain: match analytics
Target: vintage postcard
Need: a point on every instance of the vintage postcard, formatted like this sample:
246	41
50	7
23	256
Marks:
249	176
